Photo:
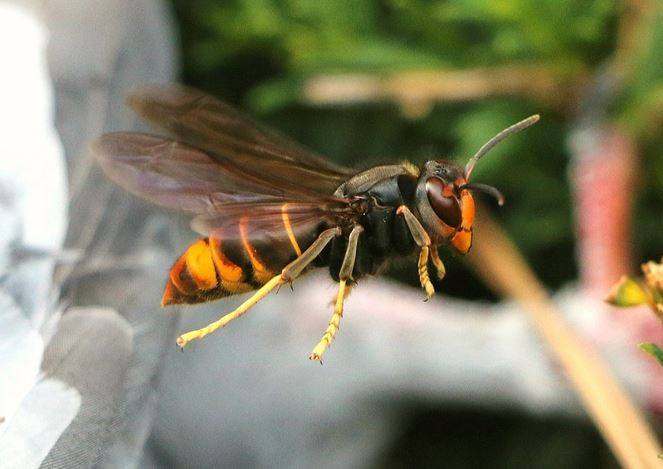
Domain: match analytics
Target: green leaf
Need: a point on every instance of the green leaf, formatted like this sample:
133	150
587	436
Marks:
627	292
653	350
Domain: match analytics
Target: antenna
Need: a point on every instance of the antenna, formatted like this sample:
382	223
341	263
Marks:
485	188
522	125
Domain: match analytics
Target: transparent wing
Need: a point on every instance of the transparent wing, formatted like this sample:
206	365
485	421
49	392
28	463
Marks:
179	176
227	135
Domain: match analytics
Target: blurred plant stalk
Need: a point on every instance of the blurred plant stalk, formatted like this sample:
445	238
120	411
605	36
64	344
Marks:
603	177
417	91
624	427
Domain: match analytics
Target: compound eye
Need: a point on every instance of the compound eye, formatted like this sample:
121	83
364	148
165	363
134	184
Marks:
446	207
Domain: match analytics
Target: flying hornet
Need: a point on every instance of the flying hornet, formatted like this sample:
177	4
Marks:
270	209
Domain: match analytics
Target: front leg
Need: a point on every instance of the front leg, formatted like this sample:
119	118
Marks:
437	262
424	278
422	240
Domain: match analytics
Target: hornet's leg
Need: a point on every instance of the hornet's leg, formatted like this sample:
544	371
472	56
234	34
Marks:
422	267
287	275
348	290
344	275
422	240
437	262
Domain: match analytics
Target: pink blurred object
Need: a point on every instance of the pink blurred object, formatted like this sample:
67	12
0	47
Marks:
604	177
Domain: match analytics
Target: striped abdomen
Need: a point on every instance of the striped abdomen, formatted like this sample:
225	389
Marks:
216	267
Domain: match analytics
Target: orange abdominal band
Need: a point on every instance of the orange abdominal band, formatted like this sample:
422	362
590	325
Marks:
192	273
262	273
200	266
194	270
231	275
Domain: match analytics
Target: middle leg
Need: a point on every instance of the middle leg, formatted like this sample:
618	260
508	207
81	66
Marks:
345	274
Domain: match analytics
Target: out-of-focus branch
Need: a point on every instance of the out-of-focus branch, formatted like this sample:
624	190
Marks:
623	426
417	91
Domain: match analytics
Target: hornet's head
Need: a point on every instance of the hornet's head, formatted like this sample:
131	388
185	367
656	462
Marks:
444	198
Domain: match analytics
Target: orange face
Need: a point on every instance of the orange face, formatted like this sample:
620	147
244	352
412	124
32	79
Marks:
462	240
454	206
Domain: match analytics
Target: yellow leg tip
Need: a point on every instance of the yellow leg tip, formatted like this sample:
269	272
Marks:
318	351
430	291
184	339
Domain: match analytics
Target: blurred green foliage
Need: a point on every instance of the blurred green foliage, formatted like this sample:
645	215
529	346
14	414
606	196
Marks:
301	37
258	53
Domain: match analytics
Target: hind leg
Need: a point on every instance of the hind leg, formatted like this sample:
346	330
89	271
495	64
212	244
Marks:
287	275
345	274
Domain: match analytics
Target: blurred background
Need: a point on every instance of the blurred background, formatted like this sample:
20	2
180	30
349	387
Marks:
461	381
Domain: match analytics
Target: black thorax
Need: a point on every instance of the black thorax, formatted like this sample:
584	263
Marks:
385	234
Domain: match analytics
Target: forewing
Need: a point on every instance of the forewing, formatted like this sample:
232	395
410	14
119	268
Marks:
230	137
179	176
176	175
